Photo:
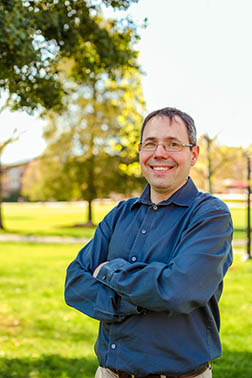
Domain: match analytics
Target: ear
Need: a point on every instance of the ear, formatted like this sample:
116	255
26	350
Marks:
195	154
139	147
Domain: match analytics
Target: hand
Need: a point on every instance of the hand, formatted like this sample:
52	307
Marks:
97	269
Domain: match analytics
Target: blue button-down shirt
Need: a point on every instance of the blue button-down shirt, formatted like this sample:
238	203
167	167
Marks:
157	297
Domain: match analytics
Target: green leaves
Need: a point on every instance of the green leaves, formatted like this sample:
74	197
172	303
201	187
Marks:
92	145
36	35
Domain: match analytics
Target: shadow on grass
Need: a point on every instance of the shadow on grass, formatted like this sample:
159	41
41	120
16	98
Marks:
233	364
241	230
76	334
48	366
64	231
230	365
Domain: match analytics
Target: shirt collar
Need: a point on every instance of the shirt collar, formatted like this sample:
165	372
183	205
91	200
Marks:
184	196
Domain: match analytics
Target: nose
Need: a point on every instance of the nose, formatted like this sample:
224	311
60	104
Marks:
160	152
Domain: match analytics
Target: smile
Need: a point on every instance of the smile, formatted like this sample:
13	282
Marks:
161	168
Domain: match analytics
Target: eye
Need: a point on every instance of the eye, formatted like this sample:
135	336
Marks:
174	144
149	145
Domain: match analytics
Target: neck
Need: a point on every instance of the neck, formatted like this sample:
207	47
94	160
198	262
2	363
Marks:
159	196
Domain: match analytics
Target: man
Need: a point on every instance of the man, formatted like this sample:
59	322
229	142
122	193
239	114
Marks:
153	273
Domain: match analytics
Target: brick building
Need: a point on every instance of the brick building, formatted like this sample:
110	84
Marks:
11	178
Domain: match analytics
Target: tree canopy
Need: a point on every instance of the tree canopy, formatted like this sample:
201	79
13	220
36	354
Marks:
36	34
93	142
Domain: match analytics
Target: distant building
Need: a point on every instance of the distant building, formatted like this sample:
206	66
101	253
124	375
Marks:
235	186
12	180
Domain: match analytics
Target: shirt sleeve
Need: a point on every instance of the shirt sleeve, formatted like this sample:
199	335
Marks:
86	293
192	276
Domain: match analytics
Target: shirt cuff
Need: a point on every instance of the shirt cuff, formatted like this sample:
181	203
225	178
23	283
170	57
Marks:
107	270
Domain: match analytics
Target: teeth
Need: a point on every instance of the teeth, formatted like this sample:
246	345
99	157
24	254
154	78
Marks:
160	168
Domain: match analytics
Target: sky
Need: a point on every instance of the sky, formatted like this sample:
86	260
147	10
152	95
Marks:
197	57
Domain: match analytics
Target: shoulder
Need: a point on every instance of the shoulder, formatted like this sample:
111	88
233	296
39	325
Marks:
127	203
206	206
208	200
121	209
124	205
209	215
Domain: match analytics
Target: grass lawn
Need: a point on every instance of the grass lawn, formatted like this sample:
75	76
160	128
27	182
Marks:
236	322
41	337
52	218
60	218
239	216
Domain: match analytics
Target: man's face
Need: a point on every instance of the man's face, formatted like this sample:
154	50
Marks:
166	171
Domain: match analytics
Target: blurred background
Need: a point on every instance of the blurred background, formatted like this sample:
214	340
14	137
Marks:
77	79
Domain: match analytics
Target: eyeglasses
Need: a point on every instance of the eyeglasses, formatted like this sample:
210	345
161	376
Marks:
167	146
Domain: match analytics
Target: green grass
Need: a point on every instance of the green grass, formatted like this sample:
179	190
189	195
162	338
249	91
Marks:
51	219
239	216
236	315
60	218
41	337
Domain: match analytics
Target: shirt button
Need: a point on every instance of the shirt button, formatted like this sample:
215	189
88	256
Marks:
104	278
155	207
133	258
113	346
143	231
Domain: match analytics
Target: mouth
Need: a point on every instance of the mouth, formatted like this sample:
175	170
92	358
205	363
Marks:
161	168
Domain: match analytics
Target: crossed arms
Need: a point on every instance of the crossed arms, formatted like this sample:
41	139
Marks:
112	290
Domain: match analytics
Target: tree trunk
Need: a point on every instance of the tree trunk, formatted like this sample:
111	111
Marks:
1	217
91	189
209	158
90	214
89	223
210	184
91	163
1	200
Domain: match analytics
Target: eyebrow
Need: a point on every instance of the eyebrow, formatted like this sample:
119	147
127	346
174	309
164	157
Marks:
167	138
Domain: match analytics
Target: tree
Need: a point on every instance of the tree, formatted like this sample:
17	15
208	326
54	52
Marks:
35	35
216	163
4	144
210	151
93	142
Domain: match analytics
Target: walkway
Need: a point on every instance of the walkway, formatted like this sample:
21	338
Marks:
65	239
41	239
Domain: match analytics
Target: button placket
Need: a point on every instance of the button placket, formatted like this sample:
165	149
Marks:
143	232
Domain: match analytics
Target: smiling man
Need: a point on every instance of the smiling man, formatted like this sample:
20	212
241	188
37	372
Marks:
166	154
153	273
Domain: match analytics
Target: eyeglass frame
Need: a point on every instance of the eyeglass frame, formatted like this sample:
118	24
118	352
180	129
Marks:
182	145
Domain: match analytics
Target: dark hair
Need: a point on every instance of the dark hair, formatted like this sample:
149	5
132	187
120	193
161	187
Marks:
171	113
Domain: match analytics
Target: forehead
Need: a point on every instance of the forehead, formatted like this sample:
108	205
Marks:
165	127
